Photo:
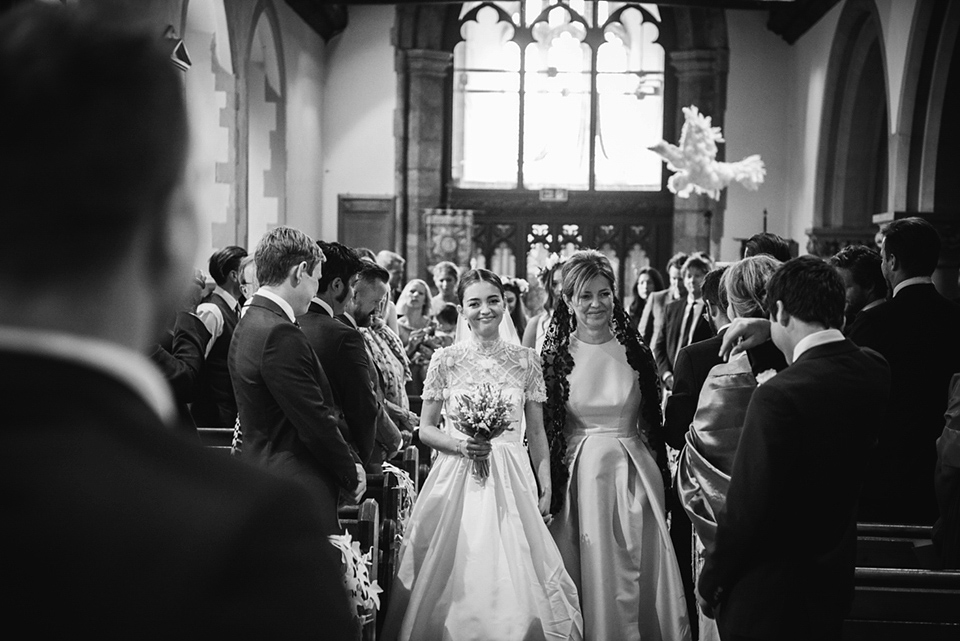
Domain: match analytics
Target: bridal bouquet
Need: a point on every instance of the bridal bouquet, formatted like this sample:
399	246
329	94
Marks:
484	414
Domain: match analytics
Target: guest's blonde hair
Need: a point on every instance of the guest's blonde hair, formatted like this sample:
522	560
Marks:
746	284
403	302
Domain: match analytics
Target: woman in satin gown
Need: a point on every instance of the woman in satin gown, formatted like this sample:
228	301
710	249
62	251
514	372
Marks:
603	422
477	561
703	471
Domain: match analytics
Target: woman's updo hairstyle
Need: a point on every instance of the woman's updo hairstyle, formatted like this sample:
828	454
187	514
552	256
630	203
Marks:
746	284
582	267
474	276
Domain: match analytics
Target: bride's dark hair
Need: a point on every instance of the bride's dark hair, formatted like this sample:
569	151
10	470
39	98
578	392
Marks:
579	269
474	276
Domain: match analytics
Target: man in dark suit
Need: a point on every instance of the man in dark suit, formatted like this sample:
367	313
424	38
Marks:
918	332
215	404
695	361
341	348
651	320
117	526
782	565
866	288
683	320
290	423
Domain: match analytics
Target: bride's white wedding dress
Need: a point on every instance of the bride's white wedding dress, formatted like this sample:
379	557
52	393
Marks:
477	561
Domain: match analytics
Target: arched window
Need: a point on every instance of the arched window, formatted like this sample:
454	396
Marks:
554	93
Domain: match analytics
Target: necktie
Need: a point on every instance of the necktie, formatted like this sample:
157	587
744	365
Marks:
685	327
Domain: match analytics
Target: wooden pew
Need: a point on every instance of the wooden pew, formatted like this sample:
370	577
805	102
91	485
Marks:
216	438
893	604
362	522
386	491
885	545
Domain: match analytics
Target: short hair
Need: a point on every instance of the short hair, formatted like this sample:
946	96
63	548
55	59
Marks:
677	260
224	261
745	284
582	267
474	276
245	261
696	261
365	253
712	290
915	243
446	267
93	139
371	271
403	301
385	258
654	275
281	249
810	290
769	244
863	263
340	262
448	314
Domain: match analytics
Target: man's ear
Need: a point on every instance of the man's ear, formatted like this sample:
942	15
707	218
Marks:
783	316
295	275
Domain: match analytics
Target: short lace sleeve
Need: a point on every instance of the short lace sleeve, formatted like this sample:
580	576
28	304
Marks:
437	377
535	391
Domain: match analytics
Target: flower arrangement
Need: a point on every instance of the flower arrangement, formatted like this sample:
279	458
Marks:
363	593
408	496
765	376
484	414
519	283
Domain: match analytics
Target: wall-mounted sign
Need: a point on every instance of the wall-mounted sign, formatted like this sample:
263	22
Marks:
553	195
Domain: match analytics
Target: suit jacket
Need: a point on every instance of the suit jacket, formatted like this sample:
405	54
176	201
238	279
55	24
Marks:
918	332
693	364
125	529
180	357
290	425
782	565
669	337
216	404
343	356
651	319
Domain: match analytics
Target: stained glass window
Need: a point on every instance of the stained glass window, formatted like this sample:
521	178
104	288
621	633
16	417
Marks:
554	93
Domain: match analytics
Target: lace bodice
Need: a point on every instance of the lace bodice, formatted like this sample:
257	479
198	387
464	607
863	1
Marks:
457	370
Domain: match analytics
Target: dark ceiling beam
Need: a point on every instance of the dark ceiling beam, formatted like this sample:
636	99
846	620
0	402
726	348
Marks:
793	20
326	18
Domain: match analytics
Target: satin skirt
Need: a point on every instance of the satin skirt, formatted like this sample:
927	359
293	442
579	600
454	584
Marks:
613	537
477	561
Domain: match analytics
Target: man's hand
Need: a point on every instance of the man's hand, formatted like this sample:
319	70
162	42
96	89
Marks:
361	486
744	334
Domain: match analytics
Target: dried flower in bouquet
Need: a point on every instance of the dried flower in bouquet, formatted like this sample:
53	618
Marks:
363	591
484	415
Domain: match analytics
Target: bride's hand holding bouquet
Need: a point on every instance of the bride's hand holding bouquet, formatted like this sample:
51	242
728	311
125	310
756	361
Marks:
483	416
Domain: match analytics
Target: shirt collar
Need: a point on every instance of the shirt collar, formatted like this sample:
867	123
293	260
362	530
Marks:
284	305
131	368
322	303
916	280
815	339
352	320
226	296
872	304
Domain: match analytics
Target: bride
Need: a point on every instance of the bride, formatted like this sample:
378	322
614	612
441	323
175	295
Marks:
477	560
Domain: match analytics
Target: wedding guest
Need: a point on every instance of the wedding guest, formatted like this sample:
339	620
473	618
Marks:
651	320
703	473
683	320
370	290
782	562
649	281
477	561
866	288
445	276
946	531
290	424
514	289
695	361
341	349
117	526
446	324
416	325
769	244
536	329
179	354
394	264
215	404
916	331
604	427
248	281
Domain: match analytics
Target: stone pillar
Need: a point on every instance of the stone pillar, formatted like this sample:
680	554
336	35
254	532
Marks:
702	81
420	137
